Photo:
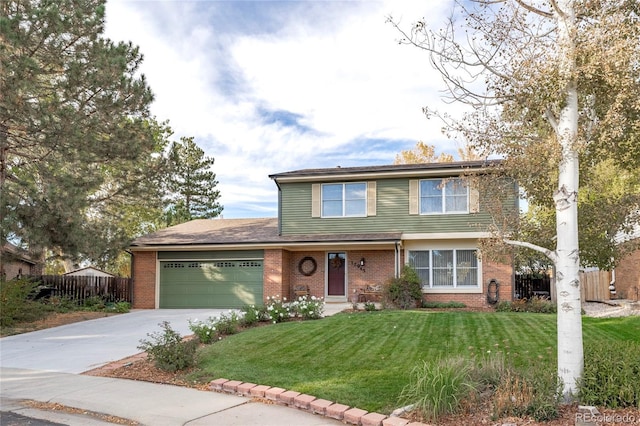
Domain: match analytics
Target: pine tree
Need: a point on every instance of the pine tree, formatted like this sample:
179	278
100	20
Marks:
76	137
192	184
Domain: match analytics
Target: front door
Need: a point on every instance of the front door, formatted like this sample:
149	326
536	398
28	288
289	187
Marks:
336	274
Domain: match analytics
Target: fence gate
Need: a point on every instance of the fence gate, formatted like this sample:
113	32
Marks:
529	286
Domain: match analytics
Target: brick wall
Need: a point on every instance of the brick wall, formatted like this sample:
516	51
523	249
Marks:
378	268
628	277
315	281
276	264
144	280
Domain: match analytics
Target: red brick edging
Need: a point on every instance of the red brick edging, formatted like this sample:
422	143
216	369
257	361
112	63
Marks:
346	414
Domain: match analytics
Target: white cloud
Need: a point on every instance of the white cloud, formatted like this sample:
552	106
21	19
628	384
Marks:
267	87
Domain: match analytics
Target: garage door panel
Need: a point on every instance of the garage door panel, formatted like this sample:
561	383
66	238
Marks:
214	284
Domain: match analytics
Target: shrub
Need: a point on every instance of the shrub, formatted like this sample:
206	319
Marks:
16	304
277	310
167	349
307	308
439	387
250	315
228	324
404	292
534	305
119	307
610	376
205	331
369	306
94	303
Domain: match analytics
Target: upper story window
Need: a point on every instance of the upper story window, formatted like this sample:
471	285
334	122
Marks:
439	196
344	199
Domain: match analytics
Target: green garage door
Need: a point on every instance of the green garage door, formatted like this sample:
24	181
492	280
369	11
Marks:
210	284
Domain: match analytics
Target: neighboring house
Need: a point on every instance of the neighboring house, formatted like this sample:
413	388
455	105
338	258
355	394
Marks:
89	271
17	263
627	273
338	230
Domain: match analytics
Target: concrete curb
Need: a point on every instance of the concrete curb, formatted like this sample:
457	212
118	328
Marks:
349	415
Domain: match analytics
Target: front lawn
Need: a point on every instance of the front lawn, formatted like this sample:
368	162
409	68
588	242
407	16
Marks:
364	359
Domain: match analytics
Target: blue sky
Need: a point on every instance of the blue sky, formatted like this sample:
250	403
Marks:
268	86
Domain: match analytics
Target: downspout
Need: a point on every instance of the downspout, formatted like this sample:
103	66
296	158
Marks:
397	262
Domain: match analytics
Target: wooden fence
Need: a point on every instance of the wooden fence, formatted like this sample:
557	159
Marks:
80	288
595	286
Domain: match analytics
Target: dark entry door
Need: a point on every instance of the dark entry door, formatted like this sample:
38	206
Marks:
336	274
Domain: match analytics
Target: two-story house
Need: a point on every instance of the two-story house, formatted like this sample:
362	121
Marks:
337	231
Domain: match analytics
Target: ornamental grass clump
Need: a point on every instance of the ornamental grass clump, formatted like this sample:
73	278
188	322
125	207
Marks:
610	377
439	387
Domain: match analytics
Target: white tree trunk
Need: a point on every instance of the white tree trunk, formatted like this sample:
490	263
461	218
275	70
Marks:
570	348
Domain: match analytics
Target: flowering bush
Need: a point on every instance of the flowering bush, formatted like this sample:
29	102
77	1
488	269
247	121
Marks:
307	307
251	315
205	330
277	310
228	324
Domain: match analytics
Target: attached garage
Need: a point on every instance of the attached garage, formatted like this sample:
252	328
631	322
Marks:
223	279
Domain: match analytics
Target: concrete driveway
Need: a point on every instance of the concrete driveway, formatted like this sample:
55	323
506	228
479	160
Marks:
83	346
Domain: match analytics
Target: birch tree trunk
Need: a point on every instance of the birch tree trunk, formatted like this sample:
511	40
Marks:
570	347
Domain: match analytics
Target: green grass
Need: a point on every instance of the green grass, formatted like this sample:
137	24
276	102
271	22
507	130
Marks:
365	359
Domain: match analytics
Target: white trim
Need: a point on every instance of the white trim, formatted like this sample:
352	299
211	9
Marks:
344	200
460	244
326	276
457	290
443	197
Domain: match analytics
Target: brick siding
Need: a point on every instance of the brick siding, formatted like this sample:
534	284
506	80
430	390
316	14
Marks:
144	280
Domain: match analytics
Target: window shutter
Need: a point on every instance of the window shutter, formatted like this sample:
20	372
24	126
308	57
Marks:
474	199
316	200
413	196
371	198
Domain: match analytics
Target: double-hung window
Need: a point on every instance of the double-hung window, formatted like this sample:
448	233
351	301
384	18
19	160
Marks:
453	268
439	196
344	199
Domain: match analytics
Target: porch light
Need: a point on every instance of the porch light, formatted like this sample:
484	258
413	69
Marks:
362	262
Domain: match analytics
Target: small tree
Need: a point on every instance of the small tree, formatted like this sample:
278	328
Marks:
552	85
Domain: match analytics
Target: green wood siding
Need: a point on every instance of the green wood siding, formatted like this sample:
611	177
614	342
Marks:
392	213
213	284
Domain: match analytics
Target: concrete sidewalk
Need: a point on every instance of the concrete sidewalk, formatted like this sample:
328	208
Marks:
142	402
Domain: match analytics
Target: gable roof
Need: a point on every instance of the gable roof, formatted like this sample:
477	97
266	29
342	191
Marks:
17	254
406	170
88	270
248	232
